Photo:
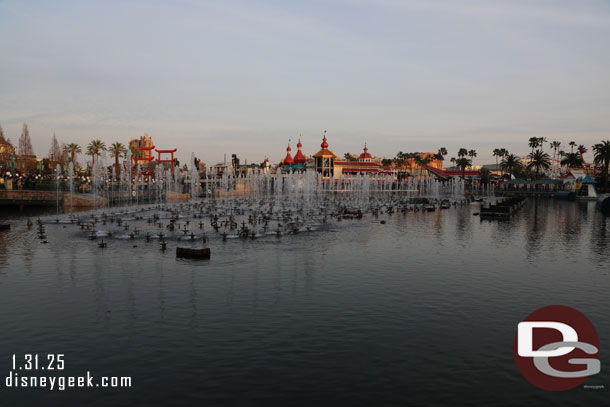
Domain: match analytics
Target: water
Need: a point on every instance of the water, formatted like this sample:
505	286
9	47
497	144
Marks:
421	310
71	182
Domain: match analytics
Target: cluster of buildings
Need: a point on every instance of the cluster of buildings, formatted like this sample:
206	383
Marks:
11	161
329	165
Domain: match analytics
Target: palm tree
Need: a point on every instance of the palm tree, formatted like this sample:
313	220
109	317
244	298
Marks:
511	163
116	149
135	153
452	160
555	146
539	160
541	141
399	159
602	159
462	163
503	153
572	160
472	154
95	147
497	153
572	144
420	159
533	143
442	152
73	149
462	152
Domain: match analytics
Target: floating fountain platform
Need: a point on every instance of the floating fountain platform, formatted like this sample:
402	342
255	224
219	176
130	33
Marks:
193	253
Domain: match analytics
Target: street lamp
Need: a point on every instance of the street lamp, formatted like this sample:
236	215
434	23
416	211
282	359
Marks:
12	164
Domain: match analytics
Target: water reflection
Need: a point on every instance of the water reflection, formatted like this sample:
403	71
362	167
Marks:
374	310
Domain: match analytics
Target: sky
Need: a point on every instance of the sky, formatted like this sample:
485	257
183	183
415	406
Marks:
244	77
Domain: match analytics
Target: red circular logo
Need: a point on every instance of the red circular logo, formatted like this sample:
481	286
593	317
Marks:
556	348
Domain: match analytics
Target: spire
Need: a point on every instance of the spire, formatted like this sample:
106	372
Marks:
365	154
299	158
288	159
324	143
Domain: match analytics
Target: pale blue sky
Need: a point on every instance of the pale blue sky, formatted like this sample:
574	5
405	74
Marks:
245	76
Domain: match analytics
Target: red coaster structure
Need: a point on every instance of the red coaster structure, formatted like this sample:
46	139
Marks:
148	157
146	147
171	160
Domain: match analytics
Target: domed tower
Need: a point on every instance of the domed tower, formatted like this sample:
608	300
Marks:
299	157
288	160
325	160
365	156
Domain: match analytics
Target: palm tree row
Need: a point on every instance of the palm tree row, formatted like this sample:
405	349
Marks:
601	158
95	148
73	149
499	153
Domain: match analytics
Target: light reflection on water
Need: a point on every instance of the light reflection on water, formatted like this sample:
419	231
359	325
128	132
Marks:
420	310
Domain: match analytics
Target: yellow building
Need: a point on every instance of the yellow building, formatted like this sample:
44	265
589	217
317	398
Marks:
144	145
325	160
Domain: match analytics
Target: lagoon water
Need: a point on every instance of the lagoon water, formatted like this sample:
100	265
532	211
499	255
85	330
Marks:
421	310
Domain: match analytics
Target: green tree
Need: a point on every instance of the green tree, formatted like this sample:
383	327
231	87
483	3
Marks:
511	164
601	158
484	175
539	160
472	154
73	149
95	147
420	159
533	143
541	141
572	160
497	153
117	149
555	145
572	144
462	163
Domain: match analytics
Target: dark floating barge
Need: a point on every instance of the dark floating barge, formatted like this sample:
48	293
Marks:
190	253
502	209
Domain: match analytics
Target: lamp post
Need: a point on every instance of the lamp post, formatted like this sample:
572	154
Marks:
12	164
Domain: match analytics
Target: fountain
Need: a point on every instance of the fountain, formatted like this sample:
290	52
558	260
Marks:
57	183
194	177
71	181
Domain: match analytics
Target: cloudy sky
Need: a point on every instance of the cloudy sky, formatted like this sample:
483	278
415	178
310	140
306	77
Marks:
243	77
